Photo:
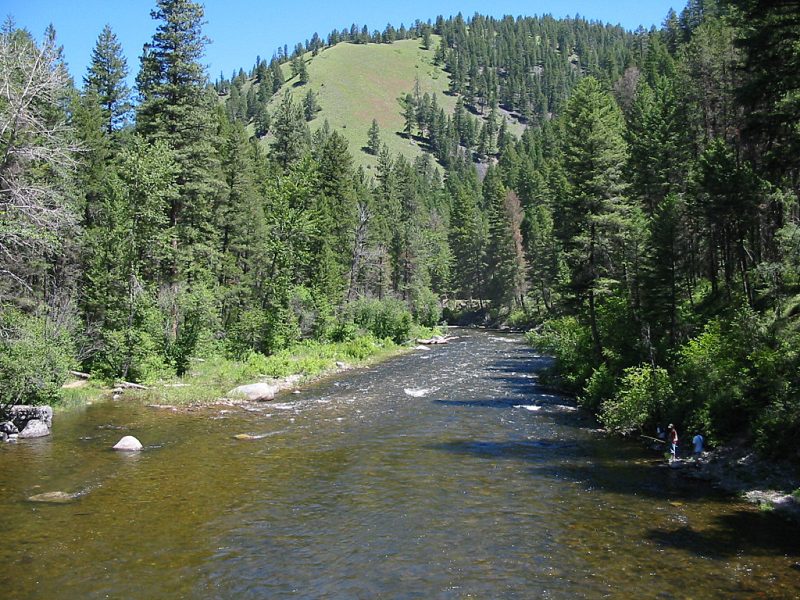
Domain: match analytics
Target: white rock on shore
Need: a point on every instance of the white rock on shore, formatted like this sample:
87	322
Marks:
255	392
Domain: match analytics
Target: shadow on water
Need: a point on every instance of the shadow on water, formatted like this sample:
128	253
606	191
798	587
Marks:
733	533
515	449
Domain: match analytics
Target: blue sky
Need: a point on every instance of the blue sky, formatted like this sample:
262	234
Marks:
242	29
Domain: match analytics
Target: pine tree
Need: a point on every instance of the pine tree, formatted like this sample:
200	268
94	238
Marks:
106	77
176	108
505	260
468	236
374	139
409	115
290	130
594	157
310	105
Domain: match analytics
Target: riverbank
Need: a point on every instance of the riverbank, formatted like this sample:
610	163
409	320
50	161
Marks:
210	379
738	469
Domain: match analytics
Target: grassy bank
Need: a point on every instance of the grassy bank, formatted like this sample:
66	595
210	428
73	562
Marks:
210	378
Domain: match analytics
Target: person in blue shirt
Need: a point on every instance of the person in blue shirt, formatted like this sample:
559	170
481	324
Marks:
698	444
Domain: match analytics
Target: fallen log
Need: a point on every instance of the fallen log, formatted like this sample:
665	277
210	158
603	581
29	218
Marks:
79	375
129	385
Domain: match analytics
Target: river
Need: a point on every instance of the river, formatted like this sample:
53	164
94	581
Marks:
447	473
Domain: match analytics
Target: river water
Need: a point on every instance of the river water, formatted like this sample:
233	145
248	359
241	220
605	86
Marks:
446	473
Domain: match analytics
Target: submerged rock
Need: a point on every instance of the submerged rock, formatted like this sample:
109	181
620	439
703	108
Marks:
53	497
255	392
247	436
128	444
34	429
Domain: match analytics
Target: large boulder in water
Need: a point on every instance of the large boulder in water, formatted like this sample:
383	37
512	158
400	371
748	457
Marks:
128	444
34	429
21	414
255	392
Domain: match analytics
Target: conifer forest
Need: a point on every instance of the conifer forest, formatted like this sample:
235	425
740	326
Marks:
628	198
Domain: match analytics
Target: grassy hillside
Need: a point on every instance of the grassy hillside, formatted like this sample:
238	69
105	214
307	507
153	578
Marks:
360	82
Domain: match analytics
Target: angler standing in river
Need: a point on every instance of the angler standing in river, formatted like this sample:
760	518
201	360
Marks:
673	442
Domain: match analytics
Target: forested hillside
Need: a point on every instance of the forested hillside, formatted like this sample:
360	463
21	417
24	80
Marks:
630	196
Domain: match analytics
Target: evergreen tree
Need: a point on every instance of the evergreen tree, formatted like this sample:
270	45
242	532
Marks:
505	260
107	76
373	139
310	105
290	130
176	107
468	236
594	156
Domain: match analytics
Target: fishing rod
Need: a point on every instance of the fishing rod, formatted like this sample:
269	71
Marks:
660	441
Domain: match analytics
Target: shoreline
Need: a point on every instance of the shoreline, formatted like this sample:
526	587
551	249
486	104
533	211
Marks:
215	377
737	469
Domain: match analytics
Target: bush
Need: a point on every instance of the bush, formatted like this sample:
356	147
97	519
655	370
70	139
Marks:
388	318
599	387
521	319
715	372
570	343
246	334
281	330
426	308
35	358
641	401
197	320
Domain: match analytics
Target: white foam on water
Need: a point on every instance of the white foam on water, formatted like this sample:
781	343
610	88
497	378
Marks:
283	405
417	392
531	407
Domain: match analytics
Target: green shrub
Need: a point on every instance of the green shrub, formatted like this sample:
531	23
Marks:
599	387
35	358
570	343
135	352
281	330
246	334
389	318
520	319
361	348
425	307
641	401
716	375
197	313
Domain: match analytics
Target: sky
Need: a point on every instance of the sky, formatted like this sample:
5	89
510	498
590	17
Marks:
240	30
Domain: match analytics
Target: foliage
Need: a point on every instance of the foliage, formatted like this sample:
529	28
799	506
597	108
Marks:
631	196
385	319
36	354
642	401
571	345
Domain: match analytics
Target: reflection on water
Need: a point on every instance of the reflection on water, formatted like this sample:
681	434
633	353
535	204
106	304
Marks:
441	474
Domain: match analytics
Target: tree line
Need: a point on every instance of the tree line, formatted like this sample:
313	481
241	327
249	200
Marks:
645	224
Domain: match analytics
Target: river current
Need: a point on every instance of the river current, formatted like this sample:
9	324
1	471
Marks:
446	473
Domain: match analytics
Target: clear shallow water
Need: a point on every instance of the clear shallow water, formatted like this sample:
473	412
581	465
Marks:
440	474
